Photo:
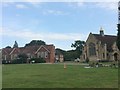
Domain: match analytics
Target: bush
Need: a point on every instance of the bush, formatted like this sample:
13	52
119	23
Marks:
3	61
104	60
38	60
16	61
6	62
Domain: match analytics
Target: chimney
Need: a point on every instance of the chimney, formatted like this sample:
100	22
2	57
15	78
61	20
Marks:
101	32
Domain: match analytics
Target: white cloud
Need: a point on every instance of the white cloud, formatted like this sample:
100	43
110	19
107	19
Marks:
61	0
107	5
75	4
54	12
21	6
104	5
29	35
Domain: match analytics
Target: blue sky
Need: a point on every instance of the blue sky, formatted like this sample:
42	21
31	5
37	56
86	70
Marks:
58	23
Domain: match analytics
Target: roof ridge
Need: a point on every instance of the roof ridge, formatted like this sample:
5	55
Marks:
106	35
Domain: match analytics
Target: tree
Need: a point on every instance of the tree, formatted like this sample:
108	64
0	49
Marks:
118	37
22	58
36	42
15	45
59	51
71	55
8	47
78	45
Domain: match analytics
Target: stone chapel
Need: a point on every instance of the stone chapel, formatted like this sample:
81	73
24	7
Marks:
101	47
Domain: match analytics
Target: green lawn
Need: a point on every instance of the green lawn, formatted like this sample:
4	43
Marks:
55	76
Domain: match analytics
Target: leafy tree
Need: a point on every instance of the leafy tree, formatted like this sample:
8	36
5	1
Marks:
8	47
36	42
15	45
59	51
71	55
22	58
78	45
118	37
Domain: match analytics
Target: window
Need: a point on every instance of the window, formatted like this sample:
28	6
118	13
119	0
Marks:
46	54
92	49
28	54
5	58
38	55
103	55
42	54
15	56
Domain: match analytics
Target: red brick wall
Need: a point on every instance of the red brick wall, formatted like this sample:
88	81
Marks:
52	54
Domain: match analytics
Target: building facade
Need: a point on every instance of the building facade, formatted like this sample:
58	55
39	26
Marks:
44	51
59	57
101	47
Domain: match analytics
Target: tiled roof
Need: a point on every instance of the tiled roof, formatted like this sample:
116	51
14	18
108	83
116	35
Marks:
27	49
106	39
6	51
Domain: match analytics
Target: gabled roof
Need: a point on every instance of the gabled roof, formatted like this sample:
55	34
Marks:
106	39
6	51
15	51
28	49
43	47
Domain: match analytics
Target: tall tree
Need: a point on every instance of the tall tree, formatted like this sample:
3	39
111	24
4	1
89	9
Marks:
15	45
78	44
22	58
36	42
118	37
8	47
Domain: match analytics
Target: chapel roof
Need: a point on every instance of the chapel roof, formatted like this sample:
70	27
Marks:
106	39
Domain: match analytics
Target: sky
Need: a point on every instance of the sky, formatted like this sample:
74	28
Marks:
58	23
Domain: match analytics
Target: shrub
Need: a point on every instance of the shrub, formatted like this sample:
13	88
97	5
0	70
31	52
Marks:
6	62
38	60
3	61
17	61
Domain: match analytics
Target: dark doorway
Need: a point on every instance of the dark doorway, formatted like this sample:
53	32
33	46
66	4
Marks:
116	57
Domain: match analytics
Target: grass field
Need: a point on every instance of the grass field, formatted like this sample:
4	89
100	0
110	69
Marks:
55	76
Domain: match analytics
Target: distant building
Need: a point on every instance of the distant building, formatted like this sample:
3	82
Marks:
101	47
44	51
59	56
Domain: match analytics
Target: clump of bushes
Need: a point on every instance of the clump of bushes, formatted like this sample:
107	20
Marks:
5	62
37	60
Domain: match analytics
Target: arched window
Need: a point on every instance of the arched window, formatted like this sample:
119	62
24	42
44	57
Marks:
92	49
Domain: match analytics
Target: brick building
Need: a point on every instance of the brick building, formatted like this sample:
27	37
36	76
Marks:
44	51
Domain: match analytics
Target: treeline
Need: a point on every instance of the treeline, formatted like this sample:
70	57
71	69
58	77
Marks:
69	55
